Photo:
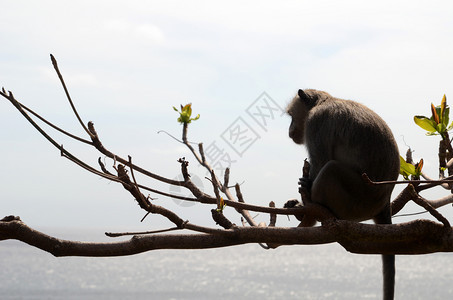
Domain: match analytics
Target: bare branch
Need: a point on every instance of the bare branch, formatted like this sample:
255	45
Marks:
202	161
63	151
201	150
55	65
433	182
430	185
426	205
407	238
226	177
450	163
417	237
239	193
143	201
215	188
273	217
55	127
400	201
220	219
118	234
441	201
98	145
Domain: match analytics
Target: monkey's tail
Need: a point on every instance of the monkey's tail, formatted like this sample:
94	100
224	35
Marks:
388	261
388	271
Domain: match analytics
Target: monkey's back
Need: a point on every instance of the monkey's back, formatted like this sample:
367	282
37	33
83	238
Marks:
349	132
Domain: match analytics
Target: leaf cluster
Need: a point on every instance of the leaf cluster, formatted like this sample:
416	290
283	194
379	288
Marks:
438	122
407	169
185	114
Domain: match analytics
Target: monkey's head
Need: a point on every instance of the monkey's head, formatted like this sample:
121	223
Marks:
298	109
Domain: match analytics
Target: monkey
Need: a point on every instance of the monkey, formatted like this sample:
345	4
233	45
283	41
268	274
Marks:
345	139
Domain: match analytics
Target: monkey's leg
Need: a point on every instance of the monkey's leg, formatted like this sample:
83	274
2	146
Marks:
305	192
341	188
388	261
305	183
306	221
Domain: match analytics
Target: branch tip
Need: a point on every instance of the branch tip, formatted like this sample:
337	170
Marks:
54	61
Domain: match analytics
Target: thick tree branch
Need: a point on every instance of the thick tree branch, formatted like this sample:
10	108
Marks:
417	237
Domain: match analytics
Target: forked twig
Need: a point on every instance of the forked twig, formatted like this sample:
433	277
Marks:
426	205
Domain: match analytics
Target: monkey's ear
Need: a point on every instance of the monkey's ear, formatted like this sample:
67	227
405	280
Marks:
302	95
305	99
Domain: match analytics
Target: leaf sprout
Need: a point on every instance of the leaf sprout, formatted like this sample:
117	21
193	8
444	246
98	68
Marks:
438	122
407	169
185	114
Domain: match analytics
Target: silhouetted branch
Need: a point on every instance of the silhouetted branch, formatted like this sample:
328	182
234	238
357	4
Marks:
55	65
416	237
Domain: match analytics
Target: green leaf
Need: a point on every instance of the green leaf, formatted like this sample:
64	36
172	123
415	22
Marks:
426	123
406	169
419	167
440	128
443	105
221	206
450	126
185	114
435	112
446	117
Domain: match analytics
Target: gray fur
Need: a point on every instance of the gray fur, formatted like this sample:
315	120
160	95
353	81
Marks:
345	139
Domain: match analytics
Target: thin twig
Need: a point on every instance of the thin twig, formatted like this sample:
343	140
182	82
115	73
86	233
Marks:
204	163
201	150
54	126
436	182
142	197
237	187
215	188
226	177
64	152
411	214
273	217
173	137
87	167
426	205
55	66
117	234
100	147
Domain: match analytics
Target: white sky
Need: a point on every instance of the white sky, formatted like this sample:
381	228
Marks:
128	62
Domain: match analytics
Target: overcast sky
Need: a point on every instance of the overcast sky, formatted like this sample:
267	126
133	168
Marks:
127	63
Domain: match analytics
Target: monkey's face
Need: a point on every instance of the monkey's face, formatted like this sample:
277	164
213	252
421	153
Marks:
296	132
298	112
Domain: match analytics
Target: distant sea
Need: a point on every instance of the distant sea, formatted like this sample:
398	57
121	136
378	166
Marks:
242	272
